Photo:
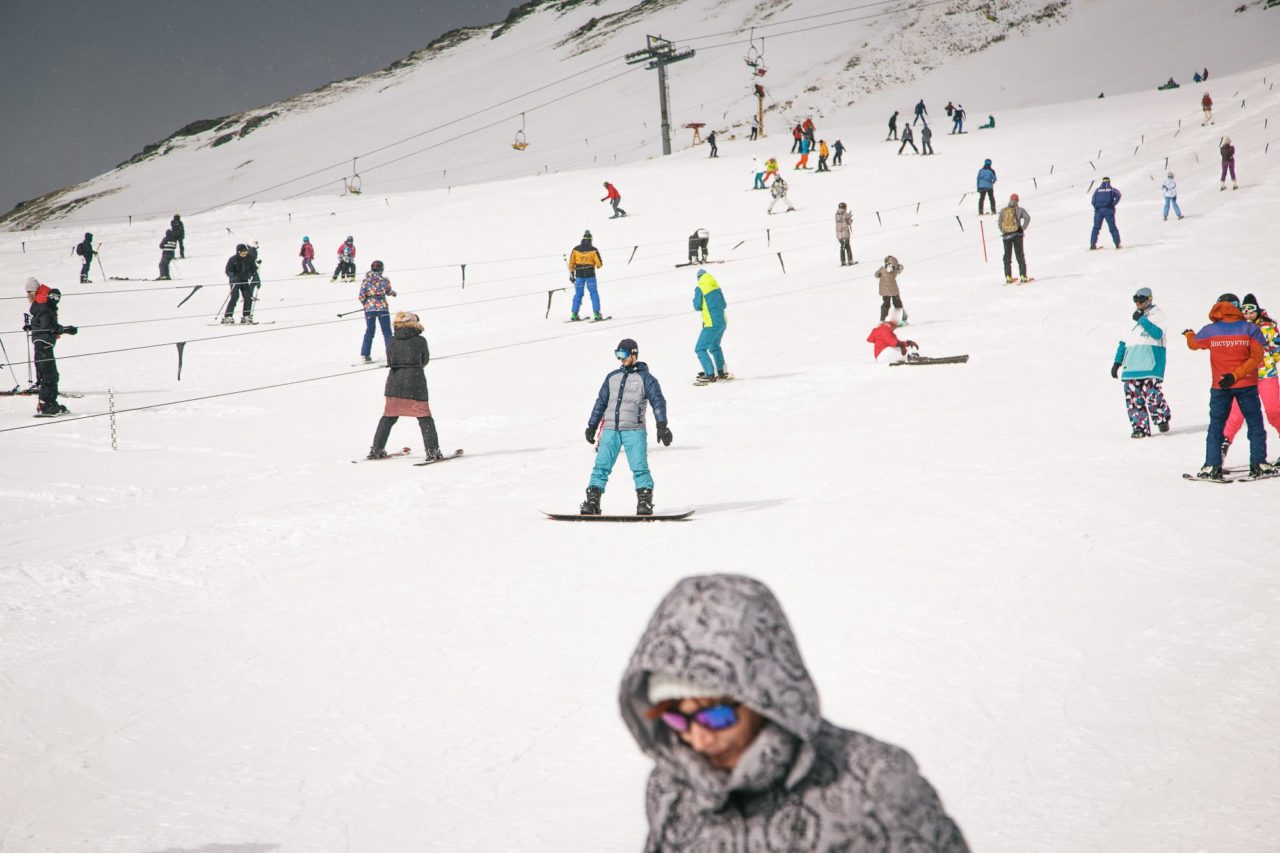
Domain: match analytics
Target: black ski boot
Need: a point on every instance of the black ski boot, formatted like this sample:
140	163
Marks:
1262	469
591	506
376	453
644	501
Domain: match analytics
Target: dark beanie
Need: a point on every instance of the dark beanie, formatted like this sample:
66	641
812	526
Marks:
628	345
241	247
1230	297
586	236
1250	299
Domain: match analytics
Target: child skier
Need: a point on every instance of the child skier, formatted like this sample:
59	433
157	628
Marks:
779	193
886	343
1206	104
1170	189
708	299
346	261
620	406
584	260
1139	363
406	389
374	291
889	294
1236	350
308	254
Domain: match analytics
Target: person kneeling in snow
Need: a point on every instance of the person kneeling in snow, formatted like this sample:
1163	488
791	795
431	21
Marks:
887	343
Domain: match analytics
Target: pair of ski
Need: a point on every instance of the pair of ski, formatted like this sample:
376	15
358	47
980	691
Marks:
589	319
698	263
405	451
1232	475
924	359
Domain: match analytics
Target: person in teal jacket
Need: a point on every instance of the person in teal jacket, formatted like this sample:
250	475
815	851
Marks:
708	299
1139	362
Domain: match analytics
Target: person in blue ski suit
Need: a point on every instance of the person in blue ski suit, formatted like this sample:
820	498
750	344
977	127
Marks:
986	185
708	299
620	408
1105	199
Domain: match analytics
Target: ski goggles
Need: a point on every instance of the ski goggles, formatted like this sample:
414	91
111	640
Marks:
1249	307
621	354
714	719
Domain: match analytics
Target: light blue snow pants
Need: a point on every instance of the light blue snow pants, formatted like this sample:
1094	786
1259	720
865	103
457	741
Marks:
708	350
611	441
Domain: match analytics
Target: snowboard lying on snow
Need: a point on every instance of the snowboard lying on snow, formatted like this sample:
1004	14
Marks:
657	516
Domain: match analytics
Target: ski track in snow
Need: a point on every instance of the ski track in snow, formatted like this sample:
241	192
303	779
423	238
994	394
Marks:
224	634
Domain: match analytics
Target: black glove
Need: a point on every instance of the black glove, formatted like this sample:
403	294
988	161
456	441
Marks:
26	327
591	435
1115	370
572	279
664	434
1137	315
70	330
1188	331
1226	381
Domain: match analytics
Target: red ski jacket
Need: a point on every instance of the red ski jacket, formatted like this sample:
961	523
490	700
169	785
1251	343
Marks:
883	338
1235	346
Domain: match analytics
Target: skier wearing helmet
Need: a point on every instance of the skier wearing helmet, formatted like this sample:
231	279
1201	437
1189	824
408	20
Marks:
374	291
346	261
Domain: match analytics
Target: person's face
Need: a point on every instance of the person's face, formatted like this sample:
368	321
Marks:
629	360
31	298
1250	312
725	747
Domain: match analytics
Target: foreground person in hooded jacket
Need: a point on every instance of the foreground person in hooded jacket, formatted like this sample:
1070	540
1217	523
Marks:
406	389
717	695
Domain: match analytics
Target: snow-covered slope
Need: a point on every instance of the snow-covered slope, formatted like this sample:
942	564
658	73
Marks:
447	115
223	635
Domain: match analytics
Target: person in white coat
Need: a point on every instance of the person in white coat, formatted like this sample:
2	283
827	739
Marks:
758	170
1170	188
1139	364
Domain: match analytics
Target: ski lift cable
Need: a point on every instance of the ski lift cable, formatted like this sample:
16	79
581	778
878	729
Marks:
881	14
795	20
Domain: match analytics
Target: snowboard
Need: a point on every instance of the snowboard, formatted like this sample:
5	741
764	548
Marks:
1238	475
923	359
453	455
657	516
726	378
369	364
404	451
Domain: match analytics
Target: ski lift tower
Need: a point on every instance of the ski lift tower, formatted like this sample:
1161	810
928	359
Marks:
658	55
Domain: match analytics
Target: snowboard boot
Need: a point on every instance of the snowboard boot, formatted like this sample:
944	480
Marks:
644	501
1263	469
53	409
1163	427
1210	472
1022	279
591	506
376	453
723	375
703	379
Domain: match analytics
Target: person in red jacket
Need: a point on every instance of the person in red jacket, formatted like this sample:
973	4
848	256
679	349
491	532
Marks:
1236	348
883	337
308	254
614	198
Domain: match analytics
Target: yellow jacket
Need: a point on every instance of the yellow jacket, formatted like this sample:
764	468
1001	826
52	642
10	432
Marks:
584	260
822	149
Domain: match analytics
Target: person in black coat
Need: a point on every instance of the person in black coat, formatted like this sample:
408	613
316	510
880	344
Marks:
45	329
240	271
168	246
85	250
180	234
406	389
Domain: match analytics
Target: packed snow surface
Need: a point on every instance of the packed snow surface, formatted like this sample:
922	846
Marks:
225	636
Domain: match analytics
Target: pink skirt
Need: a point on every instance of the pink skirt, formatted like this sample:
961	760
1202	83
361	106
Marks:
402	407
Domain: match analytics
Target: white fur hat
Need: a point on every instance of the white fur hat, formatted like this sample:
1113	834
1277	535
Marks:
32	285
663	687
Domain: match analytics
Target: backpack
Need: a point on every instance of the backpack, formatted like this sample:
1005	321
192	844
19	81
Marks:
1009	221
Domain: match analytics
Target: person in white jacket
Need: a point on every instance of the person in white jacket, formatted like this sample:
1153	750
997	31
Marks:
758	171
1170	188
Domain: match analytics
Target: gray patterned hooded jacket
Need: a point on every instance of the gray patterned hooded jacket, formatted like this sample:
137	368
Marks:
803	785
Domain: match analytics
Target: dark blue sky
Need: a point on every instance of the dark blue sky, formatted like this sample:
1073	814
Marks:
84	84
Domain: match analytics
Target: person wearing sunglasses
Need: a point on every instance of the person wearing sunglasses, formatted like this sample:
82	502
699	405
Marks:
716	693
1139	363
1236	349
1268	373
618	414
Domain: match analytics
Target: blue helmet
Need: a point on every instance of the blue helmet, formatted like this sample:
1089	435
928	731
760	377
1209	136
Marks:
306	239
701	272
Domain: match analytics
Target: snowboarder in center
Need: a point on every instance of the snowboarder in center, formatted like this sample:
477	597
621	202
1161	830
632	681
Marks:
620	407
584	260
1139	363
708	299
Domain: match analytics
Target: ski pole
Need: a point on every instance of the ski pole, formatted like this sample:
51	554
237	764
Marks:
100	269
984	240
349	313
223	306
26	321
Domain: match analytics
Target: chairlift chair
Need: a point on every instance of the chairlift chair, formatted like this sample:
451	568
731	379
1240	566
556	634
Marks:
521	143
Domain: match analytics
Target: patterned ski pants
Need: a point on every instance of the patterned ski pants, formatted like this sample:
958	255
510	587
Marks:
1143	398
